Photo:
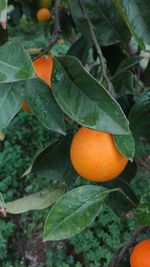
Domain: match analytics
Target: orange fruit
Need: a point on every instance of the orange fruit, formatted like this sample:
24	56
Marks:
43	14
43	68
94	155
140	256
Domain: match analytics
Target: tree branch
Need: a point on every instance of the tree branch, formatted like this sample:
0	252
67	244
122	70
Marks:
118	258
97	47
57	29
56	32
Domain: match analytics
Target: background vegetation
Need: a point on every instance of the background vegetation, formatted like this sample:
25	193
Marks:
21	235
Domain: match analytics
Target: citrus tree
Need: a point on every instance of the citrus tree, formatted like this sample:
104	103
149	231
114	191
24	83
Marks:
95	99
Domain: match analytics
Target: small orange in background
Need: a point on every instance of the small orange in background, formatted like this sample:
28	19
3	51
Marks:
25	107
43	68
95	157
43	14
140	256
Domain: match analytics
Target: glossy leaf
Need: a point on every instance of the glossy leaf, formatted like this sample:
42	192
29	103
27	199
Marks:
127	63
108	25
126	145
39	97
15	63
140	116
136	16
84	99
36	201
142	213
3	13
74	211
10	102
54	161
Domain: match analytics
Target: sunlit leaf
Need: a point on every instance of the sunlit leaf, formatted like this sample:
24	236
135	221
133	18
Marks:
36	201
15	63
84	99
74	211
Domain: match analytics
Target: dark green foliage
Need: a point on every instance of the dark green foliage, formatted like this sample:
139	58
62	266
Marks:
80	99
90	248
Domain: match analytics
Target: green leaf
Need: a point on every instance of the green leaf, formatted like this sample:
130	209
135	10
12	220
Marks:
84	99
136	16
123	83
108	25
74	211
126	145
3	13
54	161
39	97
122	203
79	49
15	63
36	201
139	116
10	102
142	213
127	63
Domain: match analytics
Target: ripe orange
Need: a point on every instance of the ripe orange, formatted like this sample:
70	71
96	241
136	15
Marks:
140	256
43	68
43	14
95	157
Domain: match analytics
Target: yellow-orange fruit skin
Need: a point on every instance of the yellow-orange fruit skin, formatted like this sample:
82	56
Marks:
43	68
43	14
140	256
95	157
